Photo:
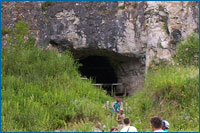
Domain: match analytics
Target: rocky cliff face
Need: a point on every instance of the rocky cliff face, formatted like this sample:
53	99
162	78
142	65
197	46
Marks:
131	34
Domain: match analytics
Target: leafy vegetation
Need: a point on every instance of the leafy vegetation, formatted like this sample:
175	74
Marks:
173	94
41	90
188	51
171	91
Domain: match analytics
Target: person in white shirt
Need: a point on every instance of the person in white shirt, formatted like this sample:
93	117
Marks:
127	127
156	124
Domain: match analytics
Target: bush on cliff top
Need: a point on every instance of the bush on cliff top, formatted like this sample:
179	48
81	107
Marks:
187	52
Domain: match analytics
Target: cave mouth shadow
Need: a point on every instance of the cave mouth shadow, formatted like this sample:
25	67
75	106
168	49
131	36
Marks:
99	69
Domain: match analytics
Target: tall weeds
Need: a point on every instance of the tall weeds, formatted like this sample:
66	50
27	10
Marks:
41	90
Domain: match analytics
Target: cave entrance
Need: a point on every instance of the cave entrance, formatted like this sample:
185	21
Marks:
100	70
121	72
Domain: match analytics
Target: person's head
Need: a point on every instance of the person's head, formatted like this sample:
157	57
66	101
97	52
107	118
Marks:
165	124
126	121
114	129
117	100
156	123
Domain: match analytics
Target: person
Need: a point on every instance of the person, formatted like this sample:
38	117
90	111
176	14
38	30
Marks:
120	117
114	129
165	125
116	106
127	127
156	124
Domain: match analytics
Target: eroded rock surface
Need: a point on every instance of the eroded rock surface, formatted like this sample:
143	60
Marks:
137	32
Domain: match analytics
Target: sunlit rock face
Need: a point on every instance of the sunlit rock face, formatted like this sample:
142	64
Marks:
131	35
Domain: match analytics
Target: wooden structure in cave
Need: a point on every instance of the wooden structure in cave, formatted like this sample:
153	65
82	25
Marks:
113	86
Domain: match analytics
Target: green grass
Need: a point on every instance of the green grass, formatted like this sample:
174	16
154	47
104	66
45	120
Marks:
4	31
187	51
171	92
42	90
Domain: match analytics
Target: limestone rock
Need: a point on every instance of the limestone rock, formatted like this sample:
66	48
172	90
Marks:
130	33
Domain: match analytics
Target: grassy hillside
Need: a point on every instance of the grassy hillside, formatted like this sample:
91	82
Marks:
41	90
171	91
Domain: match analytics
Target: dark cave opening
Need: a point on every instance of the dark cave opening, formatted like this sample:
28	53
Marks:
100	70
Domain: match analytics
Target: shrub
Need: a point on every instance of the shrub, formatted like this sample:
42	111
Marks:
187	52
